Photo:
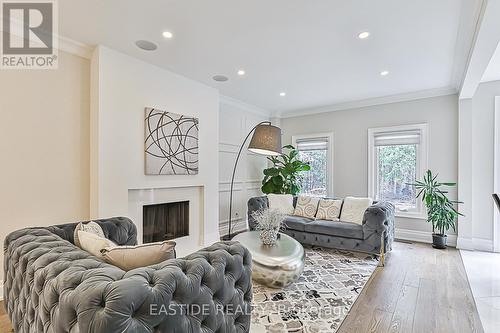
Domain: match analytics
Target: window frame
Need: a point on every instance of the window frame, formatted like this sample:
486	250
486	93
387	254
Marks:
329	155
422	162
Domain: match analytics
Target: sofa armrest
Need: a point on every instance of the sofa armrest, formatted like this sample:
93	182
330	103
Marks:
120	230
255	204
379	219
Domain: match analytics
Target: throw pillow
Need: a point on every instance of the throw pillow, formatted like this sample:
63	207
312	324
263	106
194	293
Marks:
130	257
281	202
306	206
91	227
93	243
329	209
354	209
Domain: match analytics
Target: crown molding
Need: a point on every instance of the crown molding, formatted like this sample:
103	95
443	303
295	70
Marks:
466	37
74	47
64	44
244	106
372	102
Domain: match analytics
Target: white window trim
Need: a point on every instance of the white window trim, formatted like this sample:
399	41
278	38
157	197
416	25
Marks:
329	135
422	162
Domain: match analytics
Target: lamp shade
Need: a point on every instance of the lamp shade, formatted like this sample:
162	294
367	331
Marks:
266	140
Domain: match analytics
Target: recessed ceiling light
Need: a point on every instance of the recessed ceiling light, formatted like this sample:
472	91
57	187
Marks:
241	72
167	34
363	35
220	78
146	45
282	94
384	73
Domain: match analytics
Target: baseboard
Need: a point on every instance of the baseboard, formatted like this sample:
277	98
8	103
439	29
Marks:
475	244
421	236
465	244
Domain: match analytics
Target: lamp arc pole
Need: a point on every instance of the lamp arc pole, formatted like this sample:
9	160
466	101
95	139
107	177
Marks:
228	237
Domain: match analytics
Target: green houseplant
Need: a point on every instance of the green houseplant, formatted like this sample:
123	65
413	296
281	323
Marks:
441	211
284	176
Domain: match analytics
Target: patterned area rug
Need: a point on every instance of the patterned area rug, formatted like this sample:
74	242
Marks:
322	297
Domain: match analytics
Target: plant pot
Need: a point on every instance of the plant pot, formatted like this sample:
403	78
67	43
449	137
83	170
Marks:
269	237
439	241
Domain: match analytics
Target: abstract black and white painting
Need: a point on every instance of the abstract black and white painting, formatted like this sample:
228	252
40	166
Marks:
171	144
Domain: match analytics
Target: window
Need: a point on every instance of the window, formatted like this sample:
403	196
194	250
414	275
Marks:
316	149
397	157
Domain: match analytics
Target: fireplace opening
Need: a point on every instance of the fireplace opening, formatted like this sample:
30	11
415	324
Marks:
165	221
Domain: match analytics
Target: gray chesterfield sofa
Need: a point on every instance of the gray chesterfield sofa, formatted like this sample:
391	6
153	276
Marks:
50	285
374	236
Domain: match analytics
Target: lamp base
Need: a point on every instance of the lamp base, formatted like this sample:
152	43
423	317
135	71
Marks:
226	238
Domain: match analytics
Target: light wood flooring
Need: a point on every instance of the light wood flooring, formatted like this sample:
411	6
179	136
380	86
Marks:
420	289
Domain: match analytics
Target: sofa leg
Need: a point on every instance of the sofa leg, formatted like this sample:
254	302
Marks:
382	252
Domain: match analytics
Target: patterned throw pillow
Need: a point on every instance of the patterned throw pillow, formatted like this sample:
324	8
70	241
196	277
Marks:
91	227
329	209
306	206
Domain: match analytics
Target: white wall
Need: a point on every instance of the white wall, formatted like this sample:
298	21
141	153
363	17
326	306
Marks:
235	121
122	88
44	145
478	116
350	130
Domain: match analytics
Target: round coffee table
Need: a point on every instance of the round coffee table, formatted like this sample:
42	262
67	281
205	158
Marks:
274	266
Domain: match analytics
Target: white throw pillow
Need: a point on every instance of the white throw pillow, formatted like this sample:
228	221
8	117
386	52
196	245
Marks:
281	202
91	227
129	257
354	209
329	209
93	243
306	206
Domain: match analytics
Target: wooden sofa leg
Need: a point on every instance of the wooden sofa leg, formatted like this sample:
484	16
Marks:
382	252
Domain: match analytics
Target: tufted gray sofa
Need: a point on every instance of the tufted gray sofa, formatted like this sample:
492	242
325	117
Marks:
375	235
50	285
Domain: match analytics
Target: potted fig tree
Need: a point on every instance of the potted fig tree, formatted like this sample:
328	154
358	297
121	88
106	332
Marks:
441	211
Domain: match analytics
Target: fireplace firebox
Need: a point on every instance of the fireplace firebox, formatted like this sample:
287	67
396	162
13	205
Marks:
165	221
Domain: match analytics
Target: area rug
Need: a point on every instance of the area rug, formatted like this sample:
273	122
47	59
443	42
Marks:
322	297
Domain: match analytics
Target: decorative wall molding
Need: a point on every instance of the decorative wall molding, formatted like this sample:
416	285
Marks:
421	236
445	91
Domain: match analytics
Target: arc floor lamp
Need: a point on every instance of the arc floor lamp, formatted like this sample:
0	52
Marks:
266	140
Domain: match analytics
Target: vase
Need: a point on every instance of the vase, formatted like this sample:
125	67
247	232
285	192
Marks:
269	237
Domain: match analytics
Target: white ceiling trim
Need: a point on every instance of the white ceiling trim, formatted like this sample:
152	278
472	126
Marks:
65	44
74	47
372	102
485	46
466	36
244	106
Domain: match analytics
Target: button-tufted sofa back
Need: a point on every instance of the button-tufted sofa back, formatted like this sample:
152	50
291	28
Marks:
53	286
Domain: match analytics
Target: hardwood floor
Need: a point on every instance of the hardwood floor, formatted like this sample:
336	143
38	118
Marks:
420	289
4	320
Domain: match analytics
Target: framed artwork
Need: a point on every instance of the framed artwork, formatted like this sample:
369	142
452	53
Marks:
171	143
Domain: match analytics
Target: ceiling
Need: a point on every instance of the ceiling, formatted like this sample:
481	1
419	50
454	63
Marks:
492	72
308	49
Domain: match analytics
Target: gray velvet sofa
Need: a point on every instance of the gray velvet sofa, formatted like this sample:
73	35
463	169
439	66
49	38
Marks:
50	285
374	236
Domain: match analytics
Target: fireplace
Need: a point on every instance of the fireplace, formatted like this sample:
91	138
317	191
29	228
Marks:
165	221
